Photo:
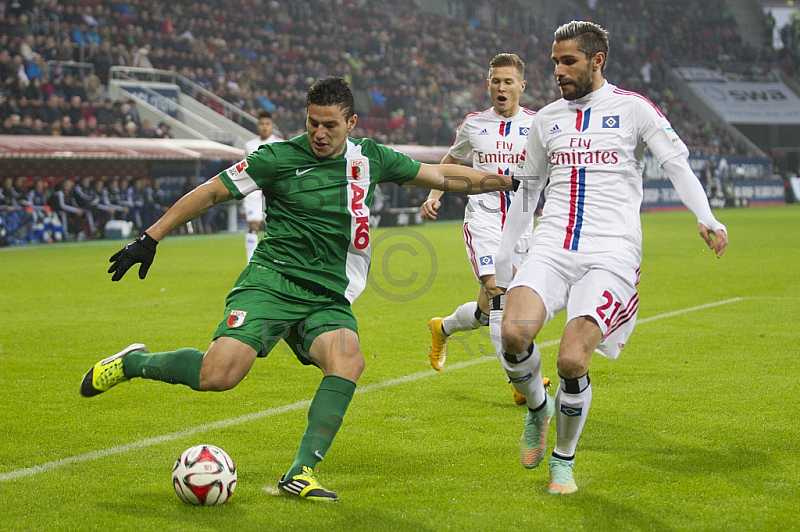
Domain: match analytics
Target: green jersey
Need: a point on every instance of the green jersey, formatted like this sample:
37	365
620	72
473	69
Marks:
317	227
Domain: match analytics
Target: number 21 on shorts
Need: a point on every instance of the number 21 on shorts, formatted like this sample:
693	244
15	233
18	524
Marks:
605	311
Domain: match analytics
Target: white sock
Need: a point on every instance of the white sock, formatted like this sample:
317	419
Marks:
496	331
526	375
463	319
572	406
250	243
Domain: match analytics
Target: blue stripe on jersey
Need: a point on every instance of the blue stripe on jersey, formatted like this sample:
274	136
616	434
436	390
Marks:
586	114
576	233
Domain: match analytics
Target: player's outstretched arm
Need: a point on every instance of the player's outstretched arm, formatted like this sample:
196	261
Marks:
143	249
459	179
430	207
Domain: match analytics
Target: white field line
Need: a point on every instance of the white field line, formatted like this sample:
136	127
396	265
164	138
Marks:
238	420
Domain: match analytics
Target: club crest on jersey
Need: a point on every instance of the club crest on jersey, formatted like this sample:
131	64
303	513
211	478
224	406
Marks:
582	119
611	122
236	318
356	168
523	131
486	260
505	129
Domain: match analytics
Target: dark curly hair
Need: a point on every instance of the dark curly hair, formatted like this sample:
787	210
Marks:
332	91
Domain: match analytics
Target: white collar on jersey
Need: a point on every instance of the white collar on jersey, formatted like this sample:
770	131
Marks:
606	87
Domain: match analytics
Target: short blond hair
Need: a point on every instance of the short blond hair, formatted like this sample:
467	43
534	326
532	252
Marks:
508	60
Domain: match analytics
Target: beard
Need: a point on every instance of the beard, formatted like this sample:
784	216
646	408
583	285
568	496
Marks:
580	87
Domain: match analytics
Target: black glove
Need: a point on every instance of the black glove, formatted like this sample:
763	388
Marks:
142	250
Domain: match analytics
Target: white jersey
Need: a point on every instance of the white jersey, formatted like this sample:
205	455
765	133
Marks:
254	202
252	145
591	151
497	144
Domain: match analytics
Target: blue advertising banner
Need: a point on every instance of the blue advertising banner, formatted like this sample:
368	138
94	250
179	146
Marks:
660	195
728	167
163	98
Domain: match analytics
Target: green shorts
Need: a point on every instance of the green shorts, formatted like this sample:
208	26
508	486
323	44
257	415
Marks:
264	307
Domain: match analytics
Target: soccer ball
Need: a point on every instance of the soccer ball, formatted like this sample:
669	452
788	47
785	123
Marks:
204	475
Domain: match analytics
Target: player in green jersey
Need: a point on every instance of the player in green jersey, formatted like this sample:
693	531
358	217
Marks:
310	266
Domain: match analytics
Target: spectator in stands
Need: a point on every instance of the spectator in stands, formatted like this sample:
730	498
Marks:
36	68
67	127
74	109
55	86
39	127
141	57
81	128
163	131
7	68
52	111
91	127
107	114
129	112
55	129
26	126
34	90
95	92
117	129
73	87
101	56
65	50
145	130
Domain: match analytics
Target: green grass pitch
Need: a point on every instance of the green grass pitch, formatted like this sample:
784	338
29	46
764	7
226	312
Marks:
694	427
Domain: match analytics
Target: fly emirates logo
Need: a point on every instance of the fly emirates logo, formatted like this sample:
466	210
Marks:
580	153
503	154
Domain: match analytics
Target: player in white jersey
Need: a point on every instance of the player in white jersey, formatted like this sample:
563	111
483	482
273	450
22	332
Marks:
496	139
254	202
586	248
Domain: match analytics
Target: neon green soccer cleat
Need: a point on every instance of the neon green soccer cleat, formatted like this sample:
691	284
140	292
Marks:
108	372
561	480
534	436
438	353
306	487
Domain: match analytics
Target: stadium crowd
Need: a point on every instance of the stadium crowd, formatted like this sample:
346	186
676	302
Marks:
41	210
415	74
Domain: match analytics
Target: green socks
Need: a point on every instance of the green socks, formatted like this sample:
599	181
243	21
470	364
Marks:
324	419
175	367
324	415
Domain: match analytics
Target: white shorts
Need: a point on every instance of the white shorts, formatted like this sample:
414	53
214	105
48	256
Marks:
254	207
482	232
601	286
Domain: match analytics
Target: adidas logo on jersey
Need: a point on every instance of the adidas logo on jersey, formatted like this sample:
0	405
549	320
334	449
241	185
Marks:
555	129
483	132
